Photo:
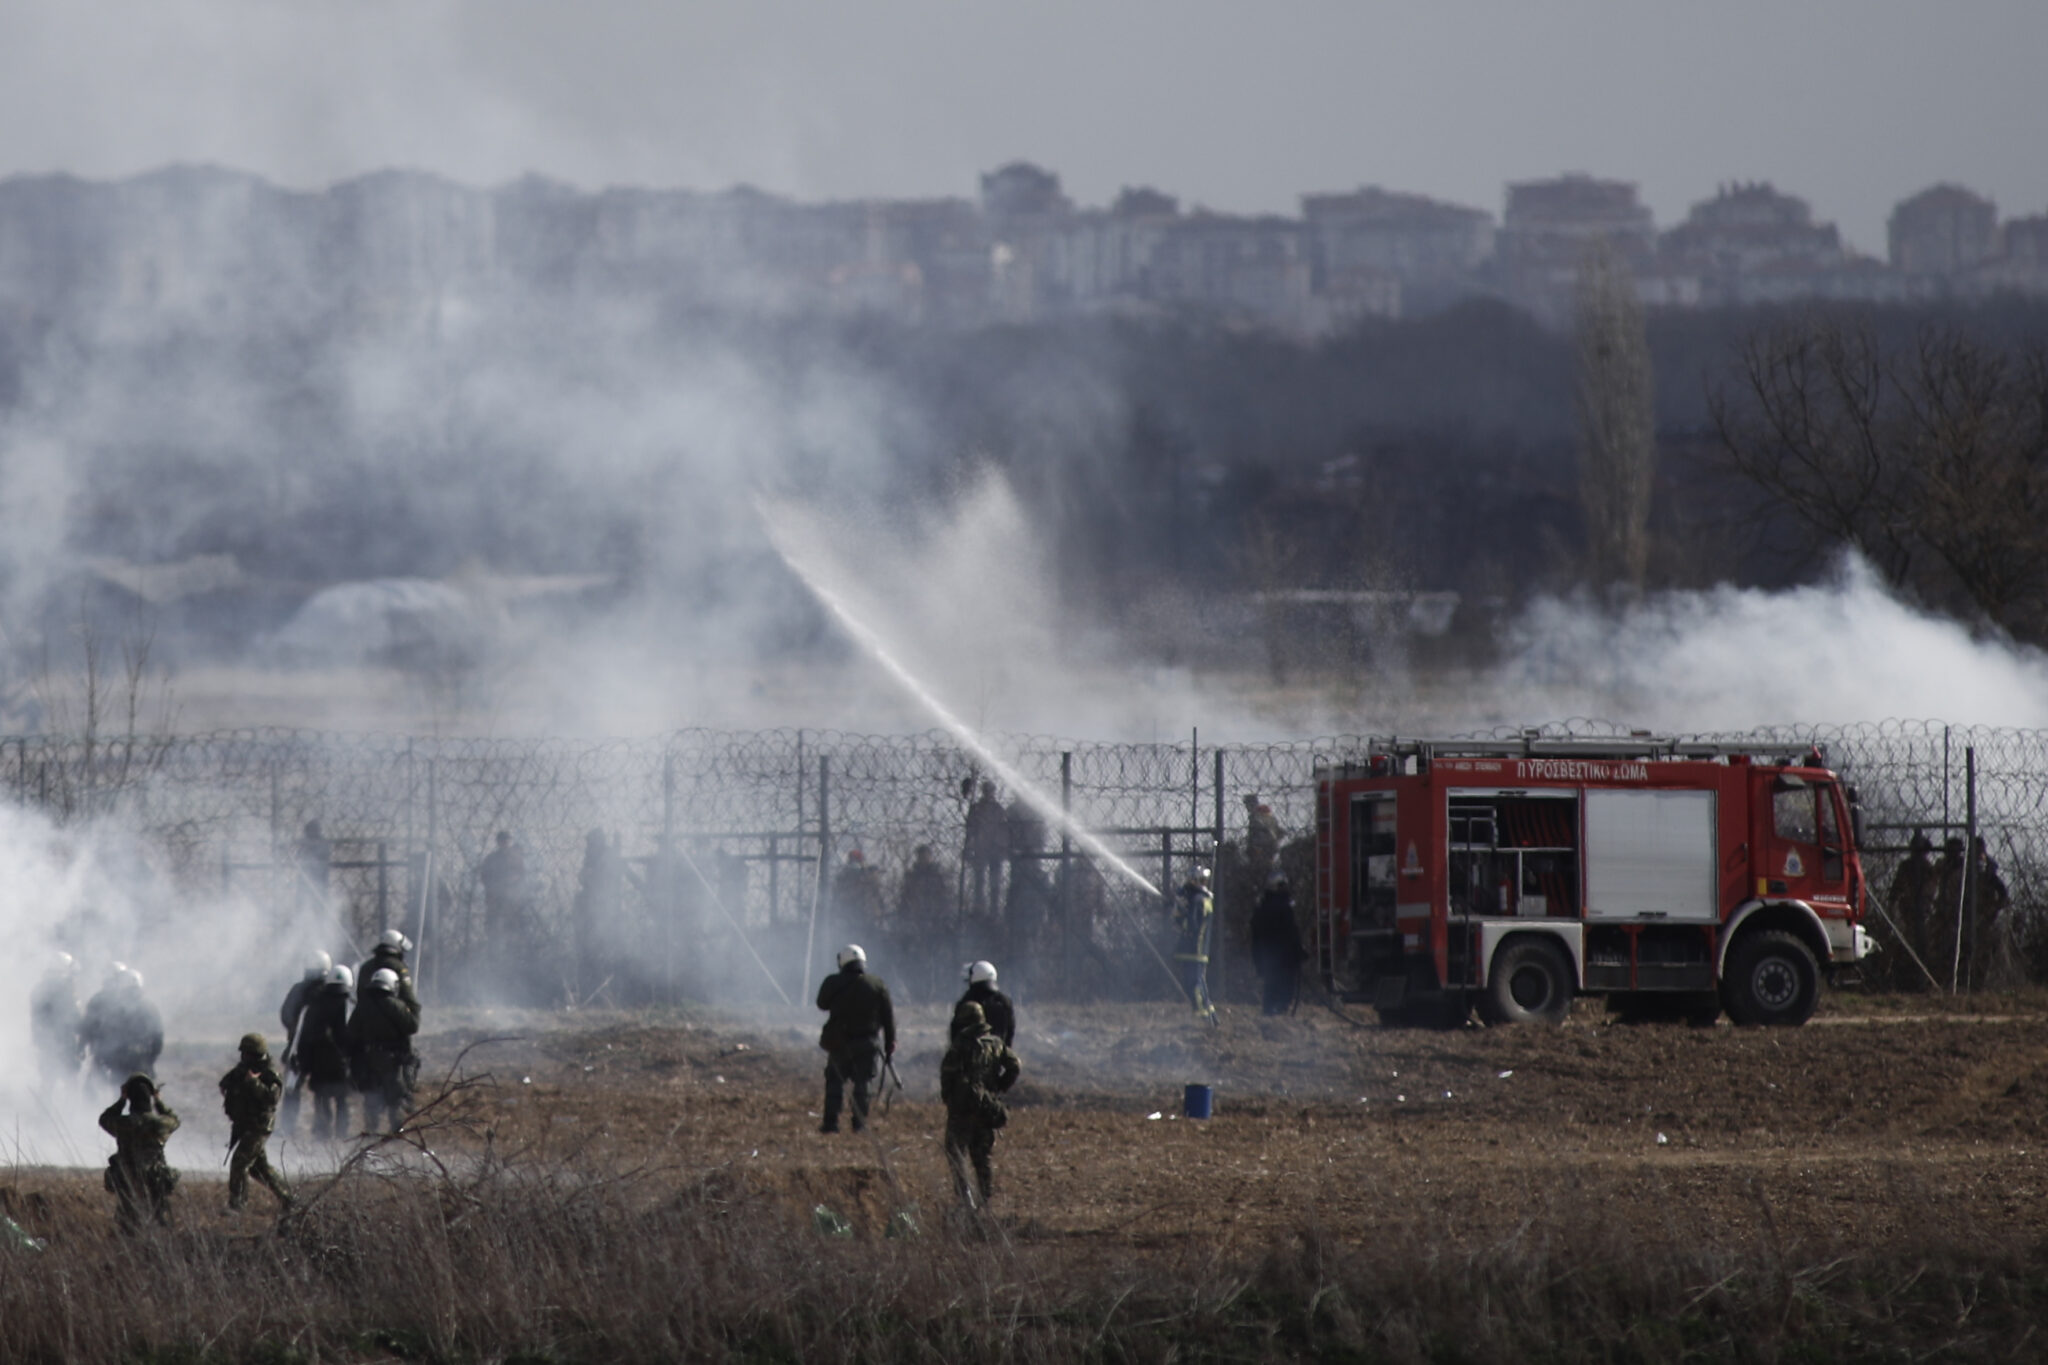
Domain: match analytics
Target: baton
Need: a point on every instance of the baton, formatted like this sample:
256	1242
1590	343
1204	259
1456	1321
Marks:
889	1075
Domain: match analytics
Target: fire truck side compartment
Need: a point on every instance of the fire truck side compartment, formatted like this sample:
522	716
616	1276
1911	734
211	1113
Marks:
1651	855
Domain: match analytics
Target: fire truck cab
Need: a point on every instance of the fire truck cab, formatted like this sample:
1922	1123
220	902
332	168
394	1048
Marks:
1515	874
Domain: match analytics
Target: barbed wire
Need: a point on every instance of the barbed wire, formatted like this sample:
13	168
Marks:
771	817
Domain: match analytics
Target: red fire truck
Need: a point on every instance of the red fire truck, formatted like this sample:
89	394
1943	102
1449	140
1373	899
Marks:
1515	874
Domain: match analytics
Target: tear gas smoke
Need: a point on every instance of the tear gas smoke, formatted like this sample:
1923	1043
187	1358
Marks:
215	966
1840	651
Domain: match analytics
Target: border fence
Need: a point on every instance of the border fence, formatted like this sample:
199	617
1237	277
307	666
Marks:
730	863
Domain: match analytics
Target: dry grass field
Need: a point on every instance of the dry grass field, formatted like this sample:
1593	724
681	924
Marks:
597	1187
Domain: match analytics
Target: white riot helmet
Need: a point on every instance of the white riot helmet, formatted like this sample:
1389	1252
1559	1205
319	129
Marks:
853	952
342	976
383	981
981	973
121	976
317	967
391	938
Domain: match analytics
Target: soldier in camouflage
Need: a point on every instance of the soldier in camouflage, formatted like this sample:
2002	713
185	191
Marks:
138	1174
977	1069
250	1093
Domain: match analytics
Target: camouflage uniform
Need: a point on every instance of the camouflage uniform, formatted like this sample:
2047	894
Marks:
138	1173
860	1013
380	1054
249	1094
977	1068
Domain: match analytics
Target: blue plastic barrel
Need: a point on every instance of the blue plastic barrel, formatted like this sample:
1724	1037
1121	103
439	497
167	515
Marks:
1197	1101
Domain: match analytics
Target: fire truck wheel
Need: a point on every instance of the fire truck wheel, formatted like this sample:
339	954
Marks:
1530	983
1771	979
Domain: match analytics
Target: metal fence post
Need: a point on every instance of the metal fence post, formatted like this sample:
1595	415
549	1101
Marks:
1970	888
383	886
1945	760
1216	953
824	868
411	781
1066	865
665	877
1219	796
427	876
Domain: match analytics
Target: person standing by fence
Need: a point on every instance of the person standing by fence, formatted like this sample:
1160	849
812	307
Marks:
984	850
1195	917
1276	946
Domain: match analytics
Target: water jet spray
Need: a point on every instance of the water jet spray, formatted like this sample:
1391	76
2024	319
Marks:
877	649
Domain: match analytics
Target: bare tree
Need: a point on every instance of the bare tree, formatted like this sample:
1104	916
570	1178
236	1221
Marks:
120	724
1930	460
1617	420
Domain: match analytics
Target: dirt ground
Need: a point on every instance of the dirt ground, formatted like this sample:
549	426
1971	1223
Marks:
1881	1120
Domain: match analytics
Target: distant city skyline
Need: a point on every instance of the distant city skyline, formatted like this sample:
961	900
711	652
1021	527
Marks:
1851	105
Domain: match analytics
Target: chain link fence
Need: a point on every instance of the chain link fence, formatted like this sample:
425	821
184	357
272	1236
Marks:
725	862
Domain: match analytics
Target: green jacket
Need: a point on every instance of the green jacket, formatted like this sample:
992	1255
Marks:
977	1068
249	1094
139	1138
858	1007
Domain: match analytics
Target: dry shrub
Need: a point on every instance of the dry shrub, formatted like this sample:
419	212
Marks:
498	1260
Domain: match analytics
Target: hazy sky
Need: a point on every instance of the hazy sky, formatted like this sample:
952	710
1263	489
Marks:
1238	106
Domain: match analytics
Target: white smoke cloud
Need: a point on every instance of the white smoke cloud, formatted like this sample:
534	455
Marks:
1843	650
99	892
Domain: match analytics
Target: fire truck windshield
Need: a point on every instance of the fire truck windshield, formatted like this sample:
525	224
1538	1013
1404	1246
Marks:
1792	812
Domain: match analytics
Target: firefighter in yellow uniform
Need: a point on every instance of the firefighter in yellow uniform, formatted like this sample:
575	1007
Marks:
1194	917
